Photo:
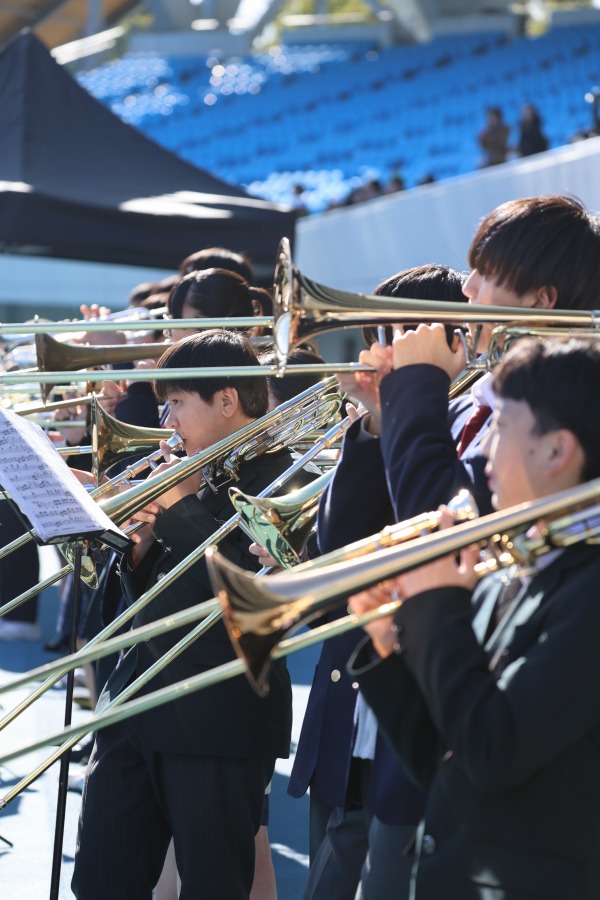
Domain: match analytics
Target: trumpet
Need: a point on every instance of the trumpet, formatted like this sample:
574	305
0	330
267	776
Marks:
258	616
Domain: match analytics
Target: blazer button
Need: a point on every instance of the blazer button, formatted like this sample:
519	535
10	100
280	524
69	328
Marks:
336	675
355	685
160	576
429	845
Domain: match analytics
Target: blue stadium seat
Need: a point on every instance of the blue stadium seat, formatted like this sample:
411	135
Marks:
328	116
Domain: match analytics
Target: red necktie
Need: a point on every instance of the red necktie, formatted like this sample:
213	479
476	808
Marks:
477	418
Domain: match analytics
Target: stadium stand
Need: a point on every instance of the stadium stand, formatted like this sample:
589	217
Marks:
333	117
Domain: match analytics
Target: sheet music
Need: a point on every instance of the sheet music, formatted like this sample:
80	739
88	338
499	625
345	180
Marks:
42	485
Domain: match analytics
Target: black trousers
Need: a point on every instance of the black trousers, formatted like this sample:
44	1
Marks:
135	799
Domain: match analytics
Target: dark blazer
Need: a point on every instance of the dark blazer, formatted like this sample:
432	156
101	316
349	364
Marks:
418	442
502	726
139	406
227	719
418	447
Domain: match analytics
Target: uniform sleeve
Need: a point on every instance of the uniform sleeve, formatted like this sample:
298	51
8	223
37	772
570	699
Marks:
504	725
418	446
401	711
356	502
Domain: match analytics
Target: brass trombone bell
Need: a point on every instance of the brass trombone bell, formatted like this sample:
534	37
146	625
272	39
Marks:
282	525
53	355
580	521
113	440
258	616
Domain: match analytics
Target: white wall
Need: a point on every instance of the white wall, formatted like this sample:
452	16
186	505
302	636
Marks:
30	285
355	248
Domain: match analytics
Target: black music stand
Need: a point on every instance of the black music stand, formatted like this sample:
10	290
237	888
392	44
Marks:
63	778
115	542
61	512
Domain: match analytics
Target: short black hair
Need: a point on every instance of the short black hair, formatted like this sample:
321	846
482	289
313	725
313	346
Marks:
218	258
537	242
558	379
283	388
143	291
208	349
430	282
211	293
262	298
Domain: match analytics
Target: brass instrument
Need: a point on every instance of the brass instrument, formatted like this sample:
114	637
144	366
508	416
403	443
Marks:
274	430
24	331
303	308
99	647
30	410
113	440
258	616
282	525
281	611
96	649
52	355
503	337
219	463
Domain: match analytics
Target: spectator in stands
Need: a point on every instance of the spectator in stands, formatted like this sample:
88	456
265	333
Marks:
493	138
531	137
218	258
395	184
298	201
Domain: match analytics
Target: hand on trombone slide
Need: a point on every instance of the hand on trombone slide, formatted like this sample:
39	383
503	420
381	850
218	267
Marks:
428	345
188	487
447	571
363	387
93	313
264	557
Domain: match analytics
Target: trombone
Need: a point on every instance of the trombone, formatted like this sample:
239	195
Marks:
304	308
97	648
280	607
282	525
259	616
272	431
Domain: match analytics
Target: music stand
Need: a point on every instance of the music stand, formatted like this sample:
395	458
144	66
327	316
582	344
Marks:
61	512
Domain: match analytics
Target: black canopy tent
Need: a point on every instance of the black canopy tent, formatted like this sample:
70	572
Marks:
77	183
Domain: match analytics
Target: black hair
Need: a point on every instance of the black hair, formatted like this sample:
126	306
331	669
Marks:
558	379
429	282
208	349
211	293
143	291
218	258
155	301
283	389
263	298
538	242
